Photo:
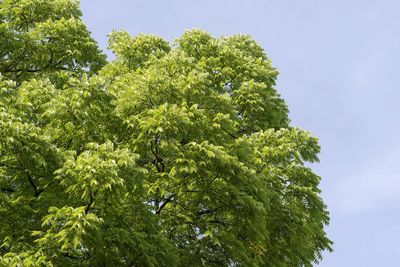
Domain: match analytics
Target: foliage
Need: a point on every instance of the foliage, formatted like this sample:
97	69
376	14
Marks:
171	155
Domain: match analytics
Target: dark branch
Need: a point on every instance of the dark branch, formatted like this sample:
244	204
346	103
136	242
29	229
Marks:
168	200
91	200
36	191
203	212
7	190
262	168
218	222
69	143
158	162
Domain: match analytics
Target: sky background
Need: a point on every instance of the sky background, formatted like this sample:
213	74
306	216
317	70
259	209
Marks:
339	74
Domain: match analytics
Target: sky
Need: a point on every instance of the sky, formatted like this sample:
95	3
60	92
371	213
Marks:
338	63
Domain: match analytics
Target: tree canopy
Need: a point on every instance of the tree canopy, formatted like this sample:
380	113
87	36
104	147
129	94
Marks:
173	154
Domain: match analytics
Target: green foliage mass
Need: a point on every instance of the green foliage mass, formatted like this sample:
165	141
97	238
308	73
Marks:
171	155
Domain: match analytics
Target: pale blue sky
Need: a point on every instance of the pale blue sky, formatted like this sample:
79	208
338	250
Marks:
339	74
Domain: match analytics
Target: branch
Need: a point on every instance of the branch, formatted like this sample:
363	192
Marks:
218	222
158	160
230	134
165	203
36	191
200	213
69	143
7	190
91	200
262	168
72	257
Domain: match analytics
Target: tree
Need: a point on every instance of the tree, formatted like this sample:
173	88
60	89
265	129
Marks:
171	155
